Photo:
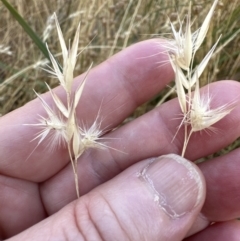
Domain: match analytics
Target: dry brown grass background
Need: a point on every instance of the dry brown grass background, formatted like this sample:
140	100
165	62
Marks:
107	26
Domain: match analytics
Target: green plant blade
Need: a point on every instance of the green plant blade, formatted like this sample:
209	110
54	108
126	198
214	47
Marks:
27	28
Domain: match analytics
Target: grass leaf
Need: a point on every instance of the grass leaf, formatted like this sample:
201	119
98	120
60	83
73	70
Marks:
27	28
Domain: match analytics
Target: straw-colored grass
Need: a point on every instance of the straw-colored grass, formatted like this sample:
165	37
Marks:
107	26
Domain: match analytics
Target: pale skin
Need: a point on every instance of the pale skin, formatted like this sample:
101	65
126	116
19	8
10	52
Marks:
35	188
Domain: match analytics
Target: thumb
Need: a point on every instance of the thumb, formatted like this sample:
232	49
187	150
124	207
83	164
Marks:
151	200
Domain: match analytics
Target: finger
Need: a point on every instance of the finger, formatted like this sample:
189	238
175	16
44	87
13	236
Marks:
148	136
152	200
223	195
119	85
219	231
20	206
222	176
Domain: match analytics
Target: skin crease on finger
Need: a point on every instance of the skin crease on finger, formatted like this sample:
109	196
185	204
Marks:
59	159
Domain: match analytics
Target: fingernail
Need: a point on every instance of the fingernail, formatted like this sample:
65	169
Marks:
175	183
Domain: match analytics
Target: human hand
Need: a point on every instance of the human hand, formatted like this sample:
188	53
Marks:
118	201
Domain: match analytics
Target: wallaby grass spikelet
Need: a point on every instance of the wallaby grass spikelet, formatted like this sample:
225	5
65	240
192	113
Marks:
61	125
197	113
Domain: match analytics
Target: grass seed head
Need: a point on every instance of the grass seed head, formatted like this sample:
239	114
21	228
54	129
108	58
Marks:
186	43
202	116
53	126
91	136
69	56
181	47
55	129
